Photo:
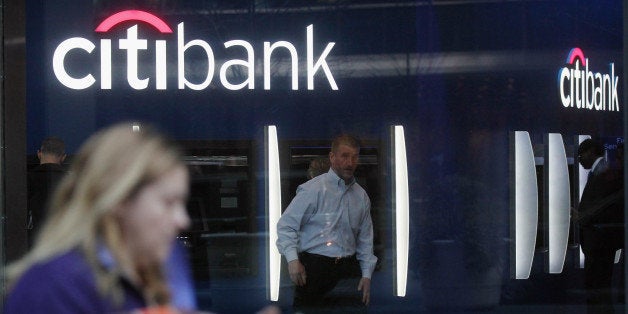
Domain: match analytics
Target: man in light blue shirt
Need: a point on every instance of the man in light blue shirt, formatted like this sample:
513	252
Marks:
327	227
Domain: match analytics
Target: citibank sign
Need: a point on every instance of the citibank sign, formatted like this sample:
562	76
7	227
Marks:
584	89
135	46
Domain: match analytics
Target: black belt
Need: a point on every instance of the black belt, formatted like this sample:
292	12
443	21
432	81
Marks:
330	260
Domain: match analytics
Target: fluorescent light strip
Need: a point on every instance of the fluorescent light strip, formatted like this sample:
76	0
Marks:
582	181
273	197
526	205
402	215
558	202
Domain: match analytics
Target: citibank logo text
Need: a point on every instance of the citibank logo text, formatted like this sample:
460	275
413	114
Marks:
135	47
583	89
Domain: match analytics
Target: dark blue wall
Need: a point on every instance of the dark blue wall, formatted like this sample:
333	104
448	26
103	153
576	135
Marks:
506	58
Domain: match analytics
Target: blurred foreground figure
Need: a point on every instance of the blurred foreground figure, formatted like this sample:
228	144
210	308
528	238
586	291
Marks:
110	233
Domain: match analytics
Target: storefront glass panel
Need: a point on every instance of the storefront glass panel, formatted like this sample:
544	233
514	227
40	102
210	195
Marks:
462	78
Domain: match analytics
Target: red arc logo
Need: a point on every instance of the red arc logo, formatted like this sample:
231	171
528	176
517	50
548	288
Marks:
133	15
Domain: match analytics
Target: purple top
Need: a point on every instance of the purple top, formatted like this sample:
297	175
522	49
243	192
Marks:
66	284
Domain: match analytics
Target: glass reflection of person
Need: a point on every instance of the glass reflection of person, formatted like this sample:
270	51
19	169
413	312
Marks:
599	213
317	167
114	220
326	232
42	181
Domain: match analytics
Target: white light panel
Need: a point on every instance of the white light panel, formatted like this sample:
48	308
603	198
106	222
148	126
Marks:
273	197
558	202
525	205
402	215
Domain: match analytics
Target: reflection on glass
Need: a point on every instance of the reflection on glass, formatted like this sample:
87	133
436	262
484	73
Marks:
525	205
402	216
223	240
557	200
273	208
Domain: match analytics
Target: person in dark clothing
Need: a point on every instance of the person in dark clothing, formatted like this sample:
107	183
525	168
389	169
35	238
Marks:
600	219
42	181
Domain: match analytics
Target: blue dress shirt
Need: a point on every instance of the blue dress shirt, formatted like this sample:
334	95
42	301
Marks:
330	218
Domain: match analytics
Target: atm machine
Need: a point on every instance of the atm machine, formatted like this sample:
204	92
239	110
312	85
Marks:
221	206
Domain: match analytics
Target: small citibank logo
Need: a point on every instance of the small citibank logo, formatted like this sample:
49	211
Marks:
135	47
581	88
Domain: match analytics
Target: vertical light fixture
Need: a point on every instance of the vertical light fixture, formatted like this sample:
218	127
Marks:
582	181
524	205
273	209
401	209
557	202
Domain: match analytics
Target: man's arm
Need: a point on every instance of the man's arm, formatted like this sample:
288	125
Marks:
364	253
288	229
289	226
598	208
364	243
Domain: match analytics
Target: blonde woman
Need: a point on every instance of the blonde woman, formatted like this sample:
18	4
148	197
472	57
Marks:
114	219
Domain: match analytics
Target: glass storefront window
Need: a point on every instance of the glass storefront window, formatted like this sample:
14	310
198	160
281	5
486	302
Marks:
494	98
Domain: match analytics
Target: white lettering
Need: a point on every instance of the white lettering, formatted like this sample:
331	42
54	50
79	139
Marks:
58	60
161	74
105	63
312	67
588	90
132	44
579	102
183	82
614	100
589	97
250	81
564	76
268	50
234	74
598	97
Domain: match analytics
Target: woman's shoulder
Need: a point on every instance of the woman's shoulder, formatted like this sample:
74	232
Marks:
63	284
63	268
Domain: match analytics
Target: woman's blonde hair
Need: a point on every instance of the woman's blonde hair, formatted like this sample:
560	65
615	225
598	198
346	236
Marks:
110	168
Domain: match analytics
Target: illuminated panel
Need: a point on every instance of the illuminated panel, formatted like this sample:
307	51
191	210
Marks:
401	205
557	202
582	181
273	209
133	15
524	206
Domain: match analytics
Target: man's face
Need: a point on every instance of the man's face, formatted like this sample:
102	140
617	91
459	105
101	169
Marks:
586	159
344	161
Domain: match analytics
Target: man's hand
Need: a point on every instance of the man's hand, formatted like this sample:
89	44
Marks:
297	272
365	287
